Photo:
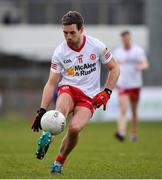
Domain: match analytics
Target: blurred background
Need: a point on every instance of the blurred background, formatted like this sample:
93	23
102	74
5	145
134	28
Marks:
30	30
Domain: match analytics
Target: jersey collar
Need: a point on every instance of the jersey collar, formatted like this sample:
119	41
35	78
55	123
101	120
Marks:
81	47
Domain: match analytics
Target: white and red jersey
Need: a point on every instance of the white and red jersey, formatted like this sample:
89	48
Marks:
129	77
81	67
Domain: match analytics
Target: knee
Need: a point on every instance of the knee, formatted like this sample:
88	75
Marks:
63	111
123	112
74	129
134	114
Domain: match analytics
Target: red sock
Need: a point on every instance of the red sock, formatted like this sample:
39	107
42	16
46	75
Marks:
60	159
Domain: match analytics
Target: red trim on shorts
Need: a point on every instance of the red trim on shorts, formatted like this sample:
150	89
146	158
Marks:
66	89
79	98
80	48
133	93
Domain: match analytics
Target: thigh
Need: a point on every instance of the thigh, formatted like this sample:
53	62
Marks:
134	99
134	95
81	117
134	106
123	102
65	104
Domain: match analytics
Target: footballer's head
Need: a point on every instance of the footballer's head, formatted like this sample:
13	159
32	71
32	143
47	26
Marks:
126	39
73	28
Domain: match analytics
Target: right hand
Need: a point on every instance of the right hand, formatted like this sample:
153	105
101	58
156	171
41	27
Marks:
102	98
36	126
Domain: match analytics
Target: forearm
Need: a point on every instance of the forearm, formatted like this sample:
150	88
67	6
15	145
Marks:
112	77
143	66
47	95
102	97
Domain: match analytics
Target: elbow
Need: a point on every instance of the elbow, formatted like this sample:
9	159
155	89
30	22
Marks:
146	66
116	71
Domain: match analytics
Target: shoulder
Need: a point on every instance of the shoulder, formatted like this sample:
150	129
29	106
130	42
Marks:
118	50
94	41
60	49
96	44
137	48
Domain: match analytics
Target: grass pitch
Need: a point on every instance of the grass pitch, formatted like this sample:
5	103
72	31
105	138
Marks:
98	154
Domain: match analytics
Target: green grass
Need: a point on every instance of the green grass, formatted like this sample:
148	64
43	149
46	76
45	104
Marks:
98	154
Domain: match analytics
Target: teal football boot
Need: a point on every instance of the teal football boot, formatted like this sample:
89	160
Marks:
133	138
57	168
43	144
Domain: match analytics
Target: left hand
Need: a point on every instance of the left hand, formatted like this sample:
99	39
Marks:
36	122
102	98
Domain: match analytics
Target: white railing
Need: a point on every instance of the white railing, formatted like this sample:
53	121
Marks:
39	41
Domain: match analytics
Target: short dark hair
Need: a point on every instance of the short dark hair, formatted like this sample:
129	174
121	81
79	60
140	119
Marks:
73	17
125	33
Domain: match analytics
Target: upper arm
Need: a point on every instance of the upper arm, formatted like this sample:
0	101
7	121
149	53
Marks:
141	55
56	65
105	55
143	58
112	65
53	78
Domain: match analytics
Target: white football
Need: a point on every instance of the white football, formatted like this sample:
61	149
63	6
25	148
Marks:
53	121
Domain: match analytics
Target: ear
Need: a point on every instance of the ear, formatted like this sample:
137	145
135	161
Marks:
82	29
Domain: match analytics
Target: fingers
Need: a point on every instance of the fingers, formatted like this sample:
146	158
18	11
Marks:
104	107
94	100
100	99
36	129
35	126
33	122
36	123
98	102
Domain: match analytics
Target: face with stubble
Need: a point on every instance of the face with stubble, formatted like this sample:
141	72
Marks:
72	35
126	40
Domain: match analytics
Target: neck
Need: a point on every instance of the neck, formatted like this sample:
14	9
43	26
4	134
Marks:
128	46
80	42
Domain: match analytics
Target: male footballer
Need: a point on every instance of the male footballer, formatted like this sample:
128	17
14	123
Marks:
77	61
132	61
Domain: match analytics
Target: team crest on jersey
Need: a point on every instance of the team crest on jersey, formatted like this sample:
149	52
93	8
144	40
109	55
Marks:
92	57
70	71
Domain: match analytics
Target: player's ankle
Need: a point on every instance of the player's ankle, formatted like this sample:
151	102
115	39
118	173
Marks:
133	133
60	159
121	133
